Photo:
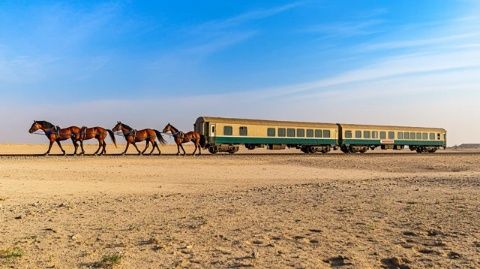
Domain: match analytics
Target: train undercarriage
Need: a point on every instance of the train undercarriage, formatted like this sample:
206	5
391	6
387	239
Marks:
311	149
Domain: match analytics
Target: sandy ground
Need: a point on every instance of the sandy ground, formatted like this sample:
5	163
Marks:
276	211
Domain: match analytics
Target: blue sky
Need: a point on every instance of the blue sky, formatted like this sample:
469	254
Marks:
152	62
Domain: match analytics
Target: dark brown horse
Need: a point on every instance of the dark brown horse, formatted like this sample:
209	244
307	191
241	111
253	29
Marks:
133	136
181	138
98	133
56	134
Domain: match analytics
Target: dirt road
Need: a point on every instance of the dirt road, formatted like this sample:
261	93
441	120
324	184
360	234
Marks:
399	211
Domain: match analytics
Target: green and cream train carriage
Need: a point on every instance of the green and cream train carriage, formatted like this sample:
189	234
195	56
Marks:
227	134
359	138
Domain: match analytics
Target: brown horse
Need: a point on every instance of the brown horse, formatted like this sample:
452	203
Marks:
181	138
98	133
55	134
133	136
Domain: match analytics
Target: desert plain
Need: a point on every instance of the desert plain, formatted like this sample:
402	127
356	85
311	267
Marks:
239	211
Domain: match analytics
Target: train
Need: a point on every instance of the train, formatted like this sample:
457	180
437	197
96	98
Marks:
228	134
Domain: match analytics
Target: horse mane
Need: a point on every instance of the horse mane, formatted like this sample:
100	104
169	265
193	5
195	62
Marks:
173	127
126	126
46	124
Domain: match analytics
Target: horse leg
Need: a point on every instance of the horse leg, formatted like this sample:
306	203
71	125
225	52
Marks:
75	145
178	149
99	147
135	145
184	152
159	150
60	145
104	151
126	149
199	149
81	146
154	145
49	148
146	146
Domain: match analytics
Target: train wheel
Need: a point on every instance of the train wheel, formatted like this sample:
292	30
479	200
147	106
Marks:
213	150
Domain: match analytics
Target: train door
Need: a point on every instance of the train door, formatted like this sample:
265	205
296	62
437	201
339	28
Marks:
212	130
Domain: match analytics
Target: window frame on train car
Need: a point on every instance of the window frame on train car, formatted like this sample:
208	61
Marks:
227	130
375	135
318	133
348	134
424	136
367	134
406	135
391	135
383	135
412	136
291	132
326	133
310	133
432	136
418	136
400	135
282	132
271	132
358	134
300	132
243	131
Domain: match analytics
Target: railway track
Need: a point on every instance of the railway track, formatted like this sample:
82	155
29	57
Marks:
237	155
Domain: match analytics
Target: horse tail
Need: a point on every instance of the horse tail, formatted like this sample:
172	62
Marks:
160	137
112	136
203	141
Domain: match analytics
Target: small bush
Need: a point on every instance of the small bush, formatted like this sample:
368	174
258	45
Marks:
11	253
108	261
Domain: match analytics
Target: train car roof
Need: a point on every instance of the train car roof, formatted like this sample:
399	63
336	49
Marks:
391	127
313	124
267	122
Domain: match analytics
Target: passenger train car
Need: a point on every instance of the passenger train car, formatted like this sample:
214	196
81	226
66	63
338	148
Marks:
227	134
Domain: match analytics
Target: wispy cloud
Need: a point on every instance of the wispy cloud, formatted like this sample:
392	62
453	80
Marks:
346	29
249	16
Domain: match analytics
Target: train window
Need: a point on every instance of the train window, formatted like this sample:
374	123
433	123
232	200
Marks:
227	130
318	133
348	134
358	134
432	136
243	131
375	134
406	135
425	136
391	135
326	133
383	135
412	135
366	134
290	132
400	135
309	132
282	132
271	132
300	132
419	136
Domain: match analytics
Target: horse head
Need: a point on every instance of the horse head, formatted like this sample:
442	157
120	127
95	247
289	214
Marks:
117	127
35	127
168	128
